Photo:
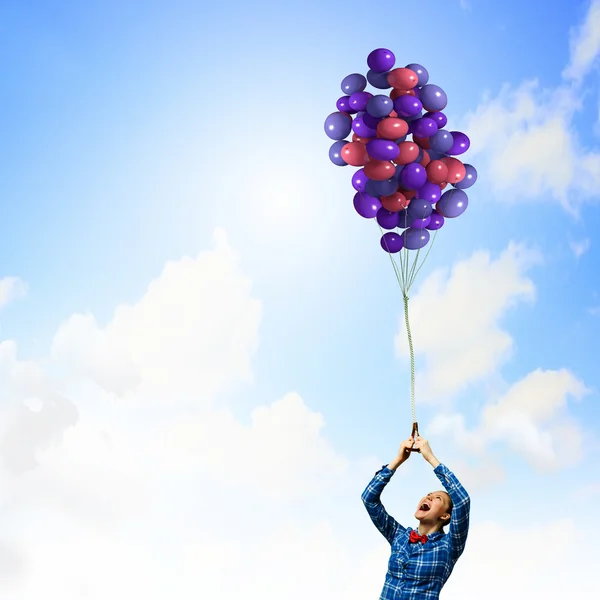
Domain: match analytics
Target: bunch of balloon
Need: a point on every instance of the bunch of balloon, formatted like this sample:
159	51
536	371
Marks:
406	159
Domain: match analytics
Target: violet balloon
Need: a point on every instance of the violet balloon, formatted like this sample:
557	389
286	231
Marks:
362	129
453	203
370	121
436	221
391	242
343	104
387	219
461	143
420	223
413	176
469	179
415	238
353	83
404	220
442	141
338	126
381	60
421	71
424	127
378	80
380	106
335	153
366	206
433	97
358	100
360	180
380	149
439	117
381	188
419	209
430	192
407	106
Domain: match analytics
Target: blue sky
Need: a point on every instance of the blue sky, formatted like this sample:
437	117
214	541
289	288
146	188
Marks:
131	131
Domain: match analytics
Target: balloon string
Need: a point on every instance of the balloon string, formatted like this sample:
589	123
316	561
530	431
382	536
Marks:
412	360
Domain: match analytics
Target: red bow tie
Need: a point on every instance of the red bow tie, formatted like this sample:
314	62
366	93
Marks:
415	537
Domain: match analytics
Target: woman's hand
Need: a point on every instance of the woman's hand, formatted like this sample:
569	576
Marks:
403	453
423	445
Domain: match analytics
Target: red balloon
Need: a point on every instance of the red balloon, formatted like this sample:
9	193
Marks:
409	152
395	203
408	194
362	140
392	128
402	78
395	93
425	160
355	154
393	114
423	142
437	171
379	170
456	170
443	185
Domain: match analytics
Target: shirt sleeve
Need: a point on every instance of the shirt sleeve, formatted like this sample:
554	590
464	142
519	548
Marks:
459	523
371	498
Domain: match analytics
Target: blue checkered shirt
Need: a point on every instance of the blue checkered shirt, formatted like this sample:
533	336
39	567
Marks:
419	570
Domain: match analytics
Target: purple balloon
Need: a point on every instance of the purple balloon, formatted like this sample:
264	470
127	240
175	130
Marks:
353	83
442	141
439	117
343	104
401	139
420	223
391	242
453	203
338	126
469	179
421	71
381	60
413	118
413	176
362	129
461	143
433	155
433	98
415	238
370	121
381	188
419	209
380	106
378	80
424	127
387	219
381	149
436	221
366	206
335	153
360	180
407	106
358	100
430	192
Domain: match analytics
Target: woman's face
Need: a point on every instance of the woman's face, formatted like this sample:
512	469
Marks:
431	507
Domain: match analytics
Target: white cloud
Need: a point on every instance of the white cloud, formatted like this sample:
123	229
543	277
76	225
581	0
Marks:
11	288
531	418
585	44
192	334
534	561
580	248
455	319
525	138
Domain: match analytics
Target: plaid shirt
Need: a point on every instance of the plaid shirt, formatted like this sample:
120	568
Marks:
419	570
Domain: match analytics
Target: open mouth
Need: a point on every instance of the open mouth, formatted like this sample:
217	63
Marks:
424	507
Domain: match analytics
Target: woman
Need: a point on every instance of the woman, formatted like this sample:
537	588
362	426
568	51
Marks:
421	560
